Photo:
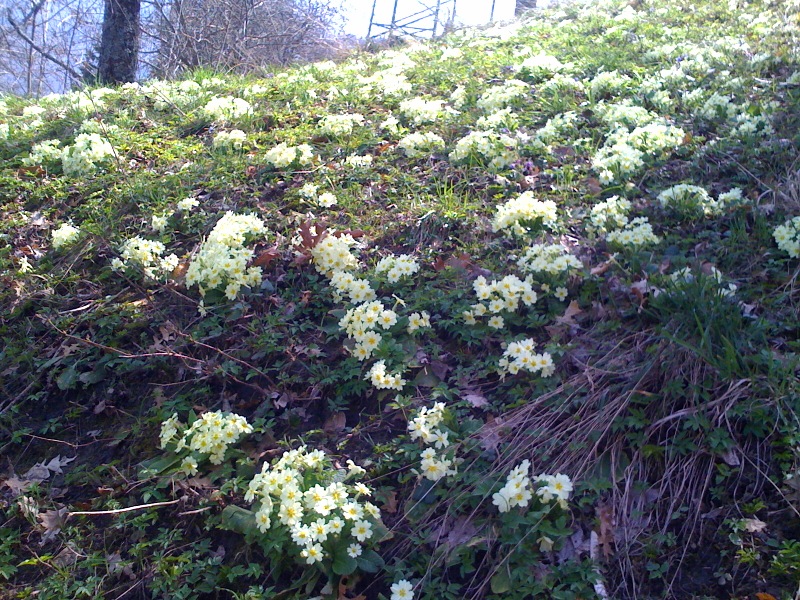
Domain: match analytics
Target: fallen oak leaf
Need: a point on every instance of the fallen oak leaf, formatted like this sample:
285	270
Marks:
354	233
475	398
490	433
572	311
18	486
52	521
754	525
345	584
390	503
605	538
311	235
601	268
265	258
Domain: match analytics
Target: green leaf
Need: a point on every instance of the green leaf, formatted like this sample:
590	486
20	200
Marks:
95	376
501	581
238	519
343	563
68	378
370	561
160	465
426	378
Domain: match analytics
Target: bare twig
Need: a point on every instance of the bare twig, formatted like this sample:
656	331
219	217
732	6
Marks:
118	511
73	73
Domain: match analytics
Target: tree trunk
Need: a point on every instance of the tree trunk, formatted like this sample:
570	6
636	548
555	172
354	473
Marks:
523	5
119	44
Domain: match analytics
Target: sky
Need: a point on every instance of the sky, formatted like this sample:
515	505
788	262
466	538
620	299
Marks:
468	12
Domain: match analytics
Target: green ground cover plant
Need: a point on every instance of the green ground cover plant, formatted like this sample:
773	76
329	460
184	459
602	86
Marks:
508	314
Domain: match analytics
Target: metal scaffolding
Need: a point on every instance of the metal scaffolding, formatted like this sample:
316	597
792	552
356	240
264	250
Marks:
421	24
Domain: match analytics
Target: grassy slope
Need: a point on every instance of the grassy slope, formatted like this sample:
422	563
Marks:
673	408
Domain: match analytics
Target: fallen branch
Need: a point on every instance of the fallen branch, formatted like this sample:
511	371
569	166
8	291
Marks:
121	510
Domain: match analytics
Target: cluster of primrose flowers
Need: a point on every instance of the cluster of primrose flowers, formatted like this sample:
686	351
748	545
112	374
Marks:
498	150
310	191
340	125
524	212
64	236
685	277
283	155
356	161
520	356
499	96
332	257
549	259
46	154
691	201
227	109
360	324
301	498
611	213
787	236
83	156
159	222
397	267
332	254
381	379
498	297
419	110
222	259
637	233
625	153
229	140
147	255
420	144
427	427
210	435
543	66
519	489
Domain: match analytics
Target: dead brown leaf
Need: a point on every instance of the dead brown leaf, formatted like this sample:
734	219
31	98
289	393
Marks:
490	433
18	486
52	521
265	258
730	457
593	185
453	533
66	558
390	504
345	583
605	538
754	525
440	369
601	268
335	423
180	271
311	235
475	398
572	311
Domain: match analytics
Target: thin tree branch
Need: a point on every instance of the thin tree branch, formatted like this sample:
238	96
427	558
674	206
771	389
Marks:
42	51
